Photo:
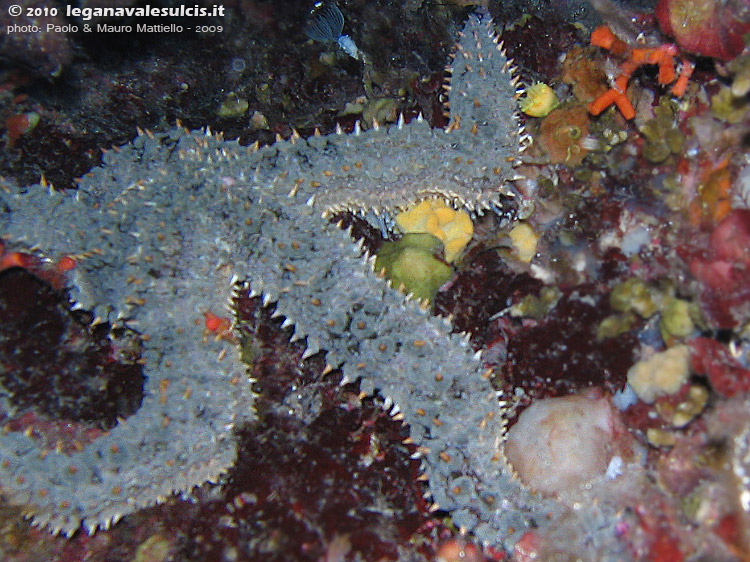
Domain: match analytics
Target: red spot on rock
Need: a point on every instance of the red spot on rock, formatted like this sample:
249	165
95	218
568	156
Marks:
729	529
66	264
731	239
217	324
456	550
724	372
705	27
722	268
658	522
14	259
19	124
664	549
527	548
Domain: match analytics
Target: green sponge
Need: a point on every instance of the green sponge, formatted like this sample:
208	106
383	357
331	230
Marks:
411	262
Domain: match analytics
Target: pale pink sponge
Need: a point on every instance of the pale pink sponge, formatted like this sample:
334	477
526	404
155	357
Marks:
558	444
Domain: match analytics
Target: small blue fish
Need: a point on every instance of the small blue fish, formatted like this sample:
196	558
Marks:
326	23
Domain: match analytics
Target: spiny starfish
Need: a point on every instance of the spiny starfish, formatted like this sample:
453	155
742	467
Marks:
175	222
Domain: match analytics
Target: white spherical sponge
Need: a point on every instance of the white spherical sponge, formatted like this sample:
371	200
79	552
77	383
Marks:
557	444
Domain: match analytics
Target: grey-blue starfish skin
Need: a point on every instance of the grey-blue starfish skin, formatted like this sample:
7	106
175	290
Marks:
164	229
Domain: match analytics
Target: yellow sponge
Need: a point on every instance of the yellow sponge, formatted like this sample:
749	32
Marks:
661	374
453	228
524	241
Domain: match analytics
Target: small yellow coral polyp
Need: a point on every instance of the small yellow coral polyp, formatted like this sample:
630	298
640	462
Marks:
539	100
453	228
